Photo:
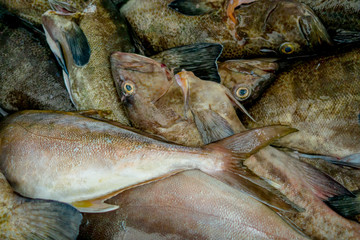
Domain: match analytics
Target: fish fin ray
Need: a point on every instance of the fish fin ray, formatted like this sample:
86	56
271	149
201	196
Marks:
346	206
246	143
46	219
211	126
199	58
245	181
68	88
292	224
239	105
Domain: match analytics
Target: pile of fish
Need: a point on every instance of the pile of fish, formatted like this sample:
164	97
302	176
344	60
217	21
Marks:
179	119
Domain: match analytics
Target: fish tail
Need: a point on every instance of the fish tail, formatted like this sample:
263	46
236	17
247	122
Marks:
45	219
239	147
345	205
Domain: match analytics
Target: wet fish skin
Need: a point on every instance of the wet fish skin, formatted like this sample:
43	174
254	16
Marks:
159	28
93	160
337	14
157	103
29	75
198	206
90	83
247	79
321	98
23	218
31	10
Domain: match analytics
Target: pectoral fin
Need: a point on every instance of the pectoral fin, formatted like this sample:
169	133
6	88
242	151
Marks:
199	58
78	44
94	206
211	126
195	7
347	206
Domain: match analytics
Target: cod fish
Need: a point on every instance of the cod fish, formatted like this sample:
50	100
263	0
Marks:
155	104
248	78
303	183
197	207
267	27
338	16
320	98
31	10
23	218
29	75
83	43
84	161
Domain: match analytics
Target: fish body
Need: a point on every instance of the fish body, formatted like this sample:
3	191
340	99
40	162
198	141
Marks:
31	10
24	218
155	103
29	75
337	14
321	99
198	206
263	28
70	158
84	42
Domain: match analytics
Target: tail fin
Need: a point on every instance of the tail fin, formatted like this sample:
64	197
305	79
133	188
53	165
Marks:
241	146
346	206
45	219
199	58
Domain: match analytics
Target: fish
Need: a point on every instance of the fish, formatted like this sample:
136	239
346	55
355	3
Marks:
155	103
29	75
31	10
83	42
261	28
340	18
248	78
84	161
198	206
320	97
25	218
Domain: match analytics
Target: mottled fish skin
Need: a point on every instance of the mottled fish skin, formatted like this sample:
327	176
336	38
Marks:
247	78
265	28
22	218
91	86
320	98
31	10
29	75
156	104
337	14
197	207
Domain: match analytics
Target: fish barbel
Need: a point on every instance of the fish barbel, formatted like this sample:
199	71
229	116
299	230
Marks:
83	43
23	218
260	28
71	158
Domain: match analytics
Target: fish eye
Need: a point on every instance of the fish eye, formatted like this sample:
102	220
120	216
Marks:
128	88
242	93
287	48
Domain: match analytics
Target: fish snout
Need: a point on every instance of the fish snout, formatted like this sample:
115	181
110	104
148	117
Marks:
312	30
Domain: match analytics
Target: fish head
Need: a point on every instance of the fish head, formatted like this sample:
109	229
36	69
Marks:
247	78
280	28
139	77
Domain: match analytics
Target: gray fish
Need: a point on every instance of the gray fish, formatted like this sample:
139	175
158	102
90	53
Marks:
24	218
29	75
320	98
83	42
261	28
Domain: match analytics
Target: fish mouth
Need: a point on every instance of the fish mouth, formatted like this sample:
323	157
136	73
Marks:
312	30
